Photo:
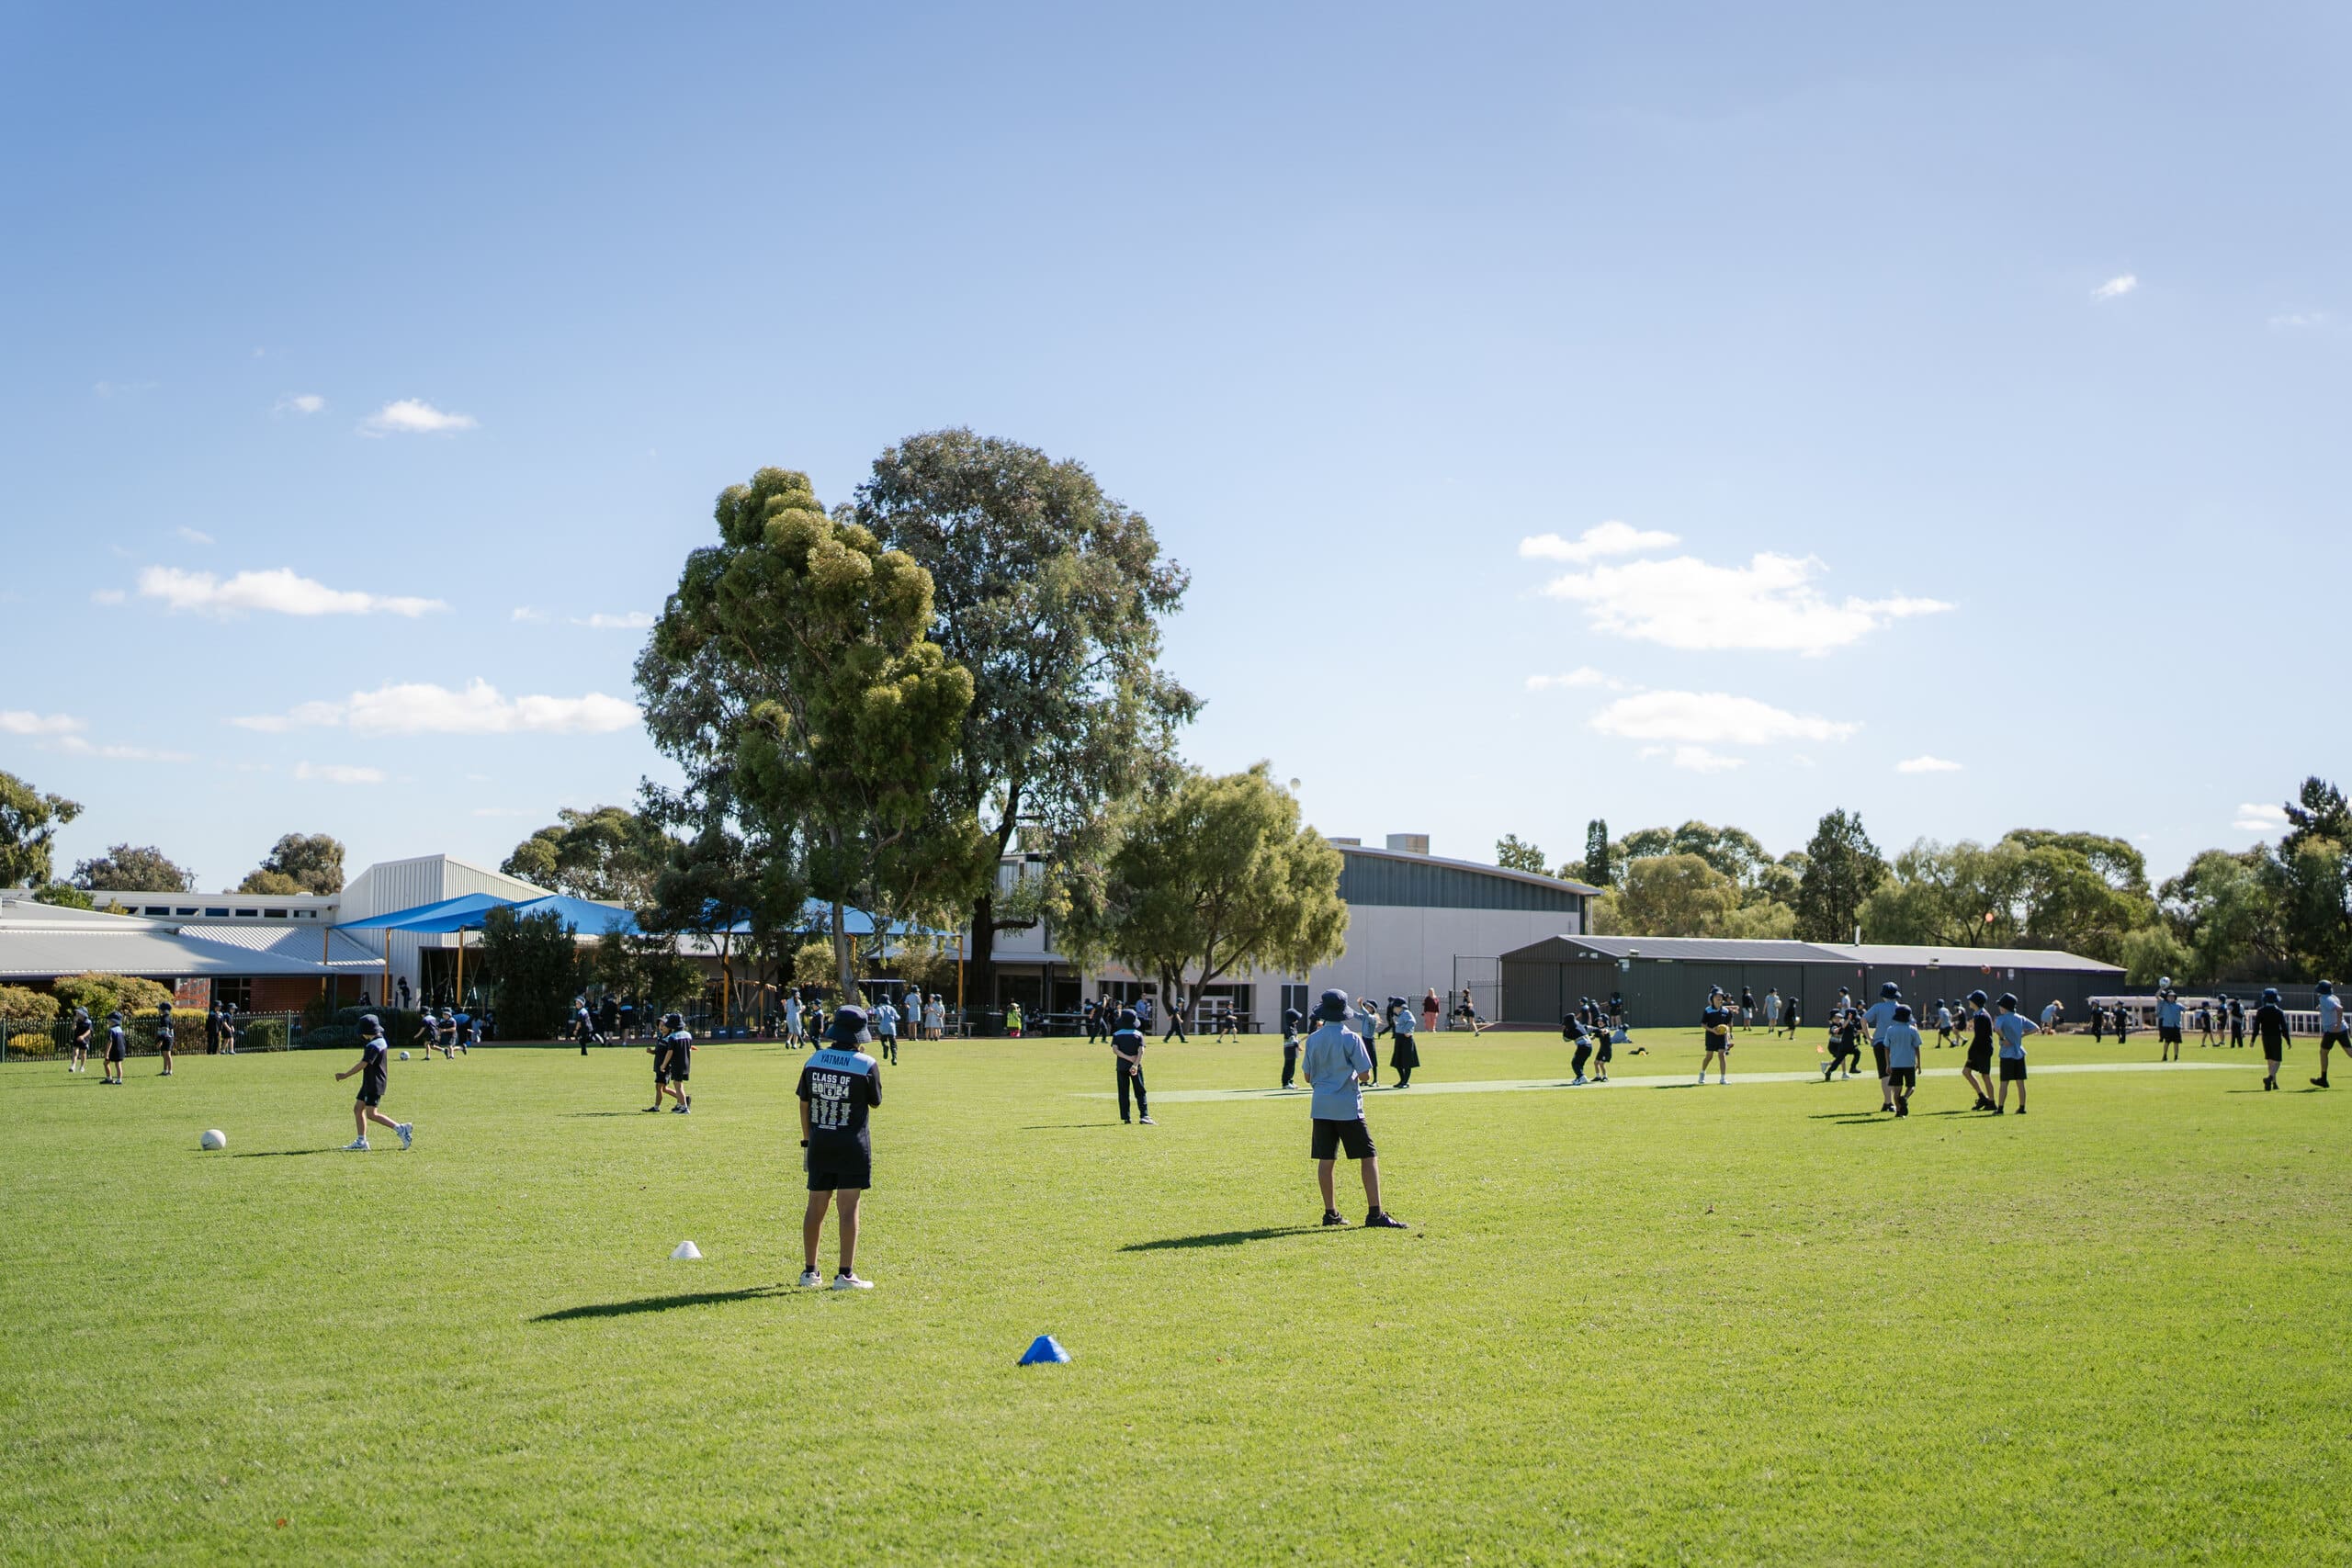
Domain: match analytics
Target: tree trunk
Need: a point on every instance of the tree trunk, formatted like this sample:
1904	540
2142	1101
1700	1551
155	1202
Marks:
842	953
981	962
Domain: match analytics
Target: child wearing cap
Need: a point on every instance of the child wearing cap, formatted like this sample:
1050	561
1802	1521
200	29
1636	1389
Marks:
1127	1042
1572	1031
1978	1069
673	1052
116	1048
1291	1021
1715	1026
2270	1026
1402	1054
2331	1029
164	1035
375	1068
81	1062
838	1087
1337	1064
2013	1027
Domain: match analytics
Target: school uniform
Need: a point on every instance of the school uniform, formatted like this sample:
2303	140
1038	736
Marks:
1334	1059
674	1061
1572	1031
840	1084
1402	1054
2168	1021
1901	1043
1291	1021
374	1071
2331	1025
1130	1042
2270	1027
2013	1028
1980	1042
114	1042
1881	1015
885	1029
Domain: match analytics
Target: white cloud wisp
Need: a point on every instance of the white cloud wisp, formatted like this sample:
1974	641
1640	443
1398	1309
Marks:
1610	538
2256	819
1770	605
422	708
634	621
21	721
1926	764
339	773
281	591
1704	718
1581	679
2115	288
414	416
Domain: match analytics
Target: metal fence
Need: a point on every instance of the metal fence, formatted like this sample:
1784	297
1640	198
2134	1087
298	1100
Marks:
22	1040
1479	982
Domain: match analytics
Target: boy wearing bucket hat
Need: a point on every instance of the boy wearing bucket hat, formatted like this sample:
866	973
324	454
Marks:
375	1068
116	1047
1337	1064
2270	1027
838	1087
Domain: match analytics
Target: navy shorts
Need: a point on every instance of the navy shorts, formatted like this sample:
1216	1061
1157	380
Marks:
2013	1069
1980	1058
1331	1136
848	1166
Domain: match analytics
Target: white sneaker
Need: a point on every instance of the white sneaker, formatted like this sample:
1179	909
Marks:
810	1279
357	1146
1580	1083
848	1282
407	1129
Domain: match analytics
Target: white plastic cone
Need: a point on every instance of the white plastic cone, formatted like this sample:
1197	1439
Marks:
687	1252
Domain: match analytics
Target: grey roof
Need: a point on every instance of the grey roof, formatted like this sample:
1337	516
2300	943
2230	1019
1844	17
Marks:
292	941
1541	879
1880	955
39	942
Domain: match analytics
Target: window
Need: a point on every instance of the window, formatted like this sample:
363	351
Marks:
157	909
1294	997
216	914
275	914
238	993
247	914
306	914
183	911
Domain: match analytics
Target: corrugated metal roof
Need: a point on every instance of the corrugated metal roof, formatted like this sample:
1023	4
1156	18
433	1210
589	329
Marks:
1728	950
291	942
1541	879
35	948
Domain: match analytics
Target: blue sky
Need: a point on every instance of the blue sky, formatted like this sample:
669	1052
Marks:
1564	410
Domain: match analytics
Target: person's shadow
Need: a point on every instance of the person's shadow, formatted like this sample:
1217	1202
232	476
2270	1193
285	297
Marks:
664	1304
1221	1238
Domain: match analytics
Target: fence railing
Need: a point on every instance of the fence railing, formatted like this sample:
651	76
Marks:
26	1041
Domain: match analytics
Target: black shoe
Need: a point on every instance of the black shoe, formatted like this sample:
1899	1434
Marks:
1333	1217
2021	1110
1998	1111
2319	1083
1382	1220
653	1108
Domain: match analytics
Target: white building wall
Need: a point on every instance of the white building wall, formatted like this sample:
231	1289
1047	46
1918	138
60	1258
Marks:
388	887
1395	951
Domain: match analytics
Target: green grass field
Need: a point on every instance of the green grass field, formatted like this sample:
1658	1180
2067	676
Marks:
1646	1323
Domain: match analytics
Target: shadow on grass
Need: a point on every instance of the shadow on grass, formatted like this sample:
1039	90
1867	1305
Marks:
640	1110
1070	1126
660	1303
286	1153
1220	1238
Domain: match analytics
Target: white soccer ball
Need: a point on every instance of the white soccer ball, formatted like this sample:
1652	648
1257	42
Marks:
403	1055
214	1139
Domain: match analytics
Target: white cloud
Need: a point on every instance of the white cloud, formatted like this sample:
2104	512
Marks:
525	612
1610	538
2253	818
634	621
2303	319
1699	718
1699	760
17	721
339	773
298	403
1771	603
1573	680
76	745
281	591
107	597
1926	764
2115	288
417	708
413	416
195	535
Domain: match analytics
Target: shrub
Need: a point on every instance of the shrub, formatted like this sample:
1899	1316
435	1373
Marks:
38	1042
331	1037
103	994
262	1034
20	1005
536	960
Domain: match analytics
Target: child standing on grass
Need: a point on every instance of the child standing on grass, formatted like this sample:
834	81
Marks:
1902	1042
1290	1022
1715	1024
1013	1021
2331	1029
1881	1013
81	1062
1979	1068
1338	1064
885	1031
2168	1025
375	1069
164	1035
1368	1026
838	1087
1572	1031
2271	1028
116	1048
673	1052
1402	1054
1791	1013
1127	1042
2013	1027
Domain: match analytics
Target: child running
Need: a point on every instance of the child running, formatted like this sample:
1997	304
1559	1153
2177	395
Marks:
1902	1043
2013	1027
886	1032
2331	1029
375	1068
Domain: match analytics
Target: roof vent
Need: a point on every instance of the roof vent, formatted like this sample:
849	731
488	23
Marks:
1355	842
1410	843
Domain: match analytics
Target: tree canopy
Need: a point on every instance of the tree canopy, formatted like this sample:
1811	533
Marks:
609	853
29	819
1513	854
133	868
1049	595
298	863
1842	869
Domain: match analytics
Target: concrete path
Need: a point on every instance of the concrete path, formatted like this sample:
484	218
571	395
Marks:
1678	1080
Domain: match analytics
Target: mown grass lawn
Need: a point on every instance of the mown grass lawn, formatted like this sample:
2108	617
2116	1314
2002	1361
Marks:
1651	1324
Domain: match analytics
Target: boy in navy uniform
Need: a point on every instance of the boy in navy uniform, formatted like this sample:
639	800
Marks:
1979	1068
1572	1031
2271	1028
1338	1064
81	1062
1715	1024
428	1029
164	1034
672	1063
838	1087
2013	1027
2331	1029
461	1031
375	1069
116	1047
1127	1042
1291	1021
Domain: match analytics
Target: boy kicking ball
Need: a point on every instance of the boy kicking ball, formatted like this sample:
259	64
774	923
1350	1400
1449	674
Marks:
375	1068
840	1085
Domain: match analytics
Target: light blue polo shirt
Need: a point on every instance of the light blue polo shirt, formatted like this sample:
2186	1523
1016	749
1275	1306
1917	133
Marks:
1902	1043
1333	1058
2013	1027
1881	1013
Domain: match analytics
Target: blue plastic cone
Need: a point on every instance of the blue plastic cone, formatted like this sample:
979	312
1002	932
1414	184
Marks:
1043	1351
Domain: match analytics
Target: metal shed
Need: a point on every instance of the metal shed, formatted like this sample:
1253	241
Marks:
1665	980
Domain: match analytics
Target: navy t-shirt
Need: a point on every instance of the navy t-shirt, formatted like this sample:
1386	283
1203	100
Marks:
374	1071
840	1084
1717	1024
1131	1042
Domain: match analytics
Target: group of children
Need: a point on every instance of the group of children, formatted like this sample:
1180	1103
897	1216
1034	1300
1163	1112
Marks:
1394	1020
1596	1033
453	1033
